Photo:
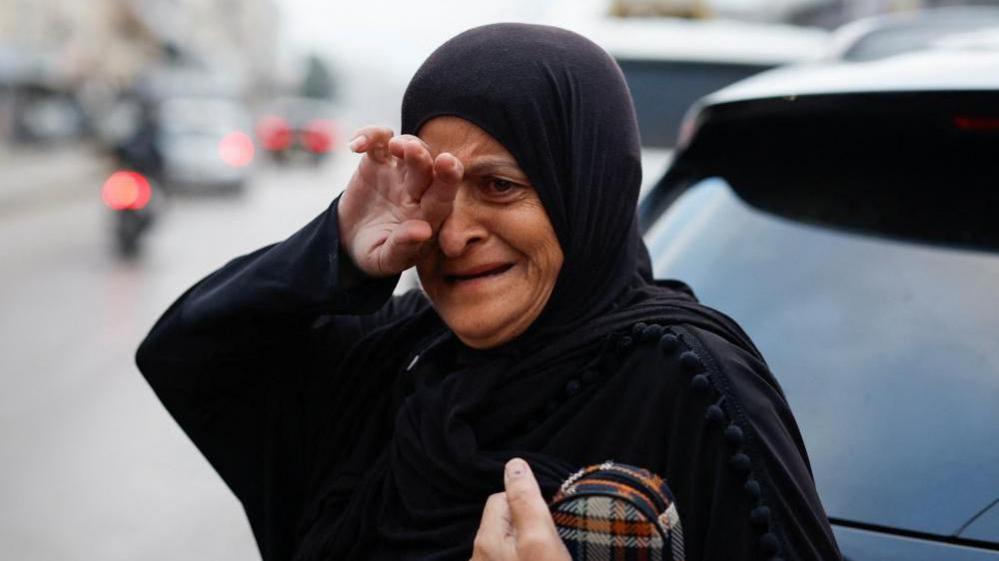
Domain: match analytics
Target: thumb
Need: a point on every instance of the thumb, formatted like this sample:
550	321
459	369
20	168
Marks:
402	247
528	510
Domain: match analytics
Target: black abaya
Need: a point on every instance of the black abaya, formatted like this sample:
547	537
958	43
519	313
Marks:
354	425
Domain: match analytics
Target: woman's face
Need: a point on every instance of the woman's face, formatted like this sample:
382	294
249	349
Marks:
496	259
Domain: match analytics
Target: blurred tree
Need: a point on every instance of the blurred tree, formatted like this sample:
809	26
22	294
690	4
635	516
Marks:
318	82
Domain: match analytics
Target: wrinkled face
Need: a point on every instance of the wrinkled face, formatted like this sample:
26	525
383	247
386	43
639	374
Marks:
496	258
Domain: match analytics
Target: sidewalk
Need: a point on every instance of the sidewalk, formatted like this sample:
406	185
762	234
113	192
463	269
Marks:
31	176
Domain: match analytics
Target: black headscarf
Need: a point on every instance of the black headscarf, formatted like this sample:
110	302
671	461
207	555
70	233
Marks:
560	105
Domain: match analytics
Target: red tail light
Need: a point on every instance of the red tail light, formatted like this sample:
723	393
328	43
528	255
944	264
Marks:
236	149
274	133
319	135
126	190
976	123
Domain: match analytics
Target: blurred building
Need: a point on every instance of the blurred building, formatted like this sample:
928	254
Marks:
87	52
238	37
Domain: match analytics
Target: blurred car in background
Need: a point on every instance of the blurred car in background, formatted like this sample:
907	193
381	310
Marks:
192	144
298	126
45	115
887	35
845	215
204	143
671	63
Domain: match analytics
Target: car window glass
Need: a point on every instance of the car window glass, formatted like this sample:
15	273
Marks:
886	350
663	90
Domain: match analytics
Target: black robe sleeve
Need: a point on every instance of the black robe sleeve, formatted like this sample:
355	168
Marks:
235	360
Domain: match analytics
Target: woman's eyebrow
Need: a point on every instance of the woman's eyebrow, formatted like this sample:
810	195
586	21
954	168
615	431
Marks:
486	166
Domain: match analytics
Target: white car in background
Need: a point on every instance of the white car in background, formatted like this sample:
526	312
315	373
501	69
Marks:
879	37
205	143
671	63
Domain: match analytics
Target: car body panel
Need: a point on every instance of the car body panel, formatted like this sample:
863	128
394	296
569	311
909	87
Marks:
861	545
655	162
885	348
985	526
895	405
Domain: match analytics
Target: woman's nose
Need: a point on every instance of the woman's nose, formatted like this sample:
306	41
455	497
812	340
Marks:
462	228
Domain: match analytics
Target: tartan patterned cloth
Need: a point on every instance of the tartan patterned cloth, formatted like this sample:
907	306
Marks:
616	512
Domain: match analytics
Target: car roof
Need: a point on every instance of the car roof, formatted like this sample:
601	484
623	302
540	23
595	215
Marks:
932	21
706	40
203	112
964	63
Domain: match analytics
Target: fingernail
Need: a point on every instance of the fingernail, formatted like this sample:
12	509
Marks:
357	142
516	468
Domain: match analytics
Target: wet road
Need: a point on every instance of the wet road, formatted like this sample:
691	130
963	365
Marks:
91	466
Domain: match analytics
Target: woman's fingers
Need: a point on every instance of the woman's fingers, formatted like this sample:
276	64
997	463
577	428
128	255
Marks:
491	541
402	247
373	141
516	525
437	201
417	164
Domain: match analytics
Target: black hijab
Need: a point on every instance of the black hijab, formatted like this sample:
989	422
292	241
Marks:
560	105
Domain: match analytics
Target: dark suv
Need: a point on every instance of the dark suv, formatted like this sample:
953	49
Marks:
847	216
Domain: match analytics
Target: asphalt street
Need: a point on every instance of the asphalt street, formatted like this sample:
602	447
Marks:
91	465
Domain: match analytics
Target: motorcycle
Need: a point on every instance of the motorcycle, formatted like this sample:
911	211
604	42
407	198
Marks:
130	193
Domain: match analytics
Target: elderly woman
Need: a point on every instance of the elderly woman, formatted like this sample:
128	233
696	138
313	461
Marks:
356	425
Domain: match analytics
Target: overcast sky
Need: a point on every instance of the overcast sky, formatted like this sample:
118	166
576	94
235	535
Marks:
376	45
374	23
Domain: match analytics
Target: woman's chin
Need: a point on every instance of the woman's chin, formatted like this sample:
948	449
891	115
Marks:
487	324
483	332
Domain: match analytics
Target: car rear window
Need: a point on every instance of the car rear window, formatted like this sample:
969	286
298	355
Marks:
663	90
887	351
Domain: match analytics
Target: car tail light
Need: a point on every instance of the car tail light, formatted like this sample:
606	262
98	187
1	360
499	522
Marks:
126	190
274	133
236	149
976	123
319	136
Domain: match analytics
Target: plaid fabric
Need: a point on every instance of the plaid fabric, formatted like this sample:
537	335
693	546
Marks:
616	512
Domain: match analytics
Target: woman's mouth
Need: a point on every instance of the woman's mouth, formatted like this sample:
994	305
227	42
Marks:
480	272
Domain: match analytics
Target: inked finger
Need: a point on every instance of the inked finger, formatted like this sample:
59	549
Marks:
528	509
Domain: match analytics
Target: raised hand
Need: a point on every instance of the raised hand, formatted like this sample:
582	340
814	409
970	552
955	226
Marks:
396	200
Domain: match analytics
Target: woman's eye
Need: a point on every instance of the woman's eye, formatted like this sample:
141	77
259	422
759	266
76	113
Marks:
502	185
501	189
